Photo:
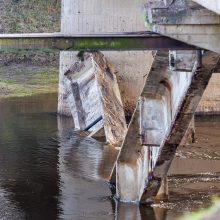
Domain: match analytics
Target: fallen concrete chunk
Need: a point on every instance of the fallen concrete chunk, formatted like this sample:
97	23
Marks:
97	97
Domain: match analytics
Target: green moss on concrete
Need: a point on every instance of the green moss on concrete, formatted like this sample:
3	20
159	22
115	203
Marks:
117	44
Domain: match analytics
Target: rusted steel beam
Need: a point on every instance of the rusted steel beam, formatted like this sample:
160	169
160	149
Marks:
104	41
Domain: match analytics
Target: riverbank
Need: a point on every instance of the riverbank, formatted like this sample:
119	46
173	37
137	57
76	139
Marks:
26	73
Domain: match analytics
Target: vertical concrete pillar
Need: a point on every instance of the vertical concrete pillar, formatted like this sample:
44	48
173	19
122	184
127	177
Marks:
149	128
94	16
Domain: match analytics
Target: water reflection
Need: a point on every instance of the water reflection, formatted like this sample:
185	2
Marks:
50	171
28	158
84	166
135	212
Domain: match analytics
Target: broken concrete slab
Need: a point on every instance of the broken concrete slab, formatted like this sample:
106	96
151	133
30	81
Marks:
97	97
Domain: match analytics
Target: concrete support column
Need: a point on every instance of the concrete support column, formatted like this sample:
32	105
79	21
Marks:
151	123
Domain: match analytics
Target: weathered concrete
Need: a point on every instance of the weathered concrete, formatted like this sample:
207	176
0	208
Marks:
95	16
189	22
203	36
86	99
160	99
163	192
142	164
186	21
179	12
65	96
190	135
96	97
131	66
132	70
183	118
126	62
182	61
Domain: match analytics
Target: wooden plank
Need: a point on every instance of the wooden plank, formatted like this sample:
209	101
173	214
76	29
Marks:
180	12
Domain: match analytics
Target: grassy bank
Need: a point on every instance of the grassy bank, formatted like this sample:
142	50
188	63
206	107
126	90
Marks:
29	16
41	81
25	73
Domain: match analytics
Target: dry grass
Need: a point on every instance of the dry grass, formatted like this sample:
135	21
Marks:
29	16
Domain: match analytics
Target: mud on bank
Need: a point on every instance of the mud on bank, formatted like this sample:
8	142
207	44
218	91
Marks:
25	73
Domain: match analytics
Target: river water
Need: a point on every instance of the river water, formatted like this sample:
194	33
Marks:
49	171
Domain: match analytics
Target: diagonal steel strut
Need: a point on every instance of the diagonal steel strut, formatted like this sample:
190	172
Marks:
104	41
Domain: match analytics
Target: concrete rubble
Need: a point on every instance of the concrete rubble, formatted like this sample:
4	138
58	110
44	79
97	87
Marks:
97	101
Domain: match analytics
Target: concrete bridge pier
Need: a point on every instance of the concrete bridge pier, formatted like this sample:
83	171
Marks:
163	113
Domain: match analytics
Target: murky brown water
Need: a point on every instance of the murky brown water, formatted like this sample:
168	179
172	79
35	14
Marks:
48	171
